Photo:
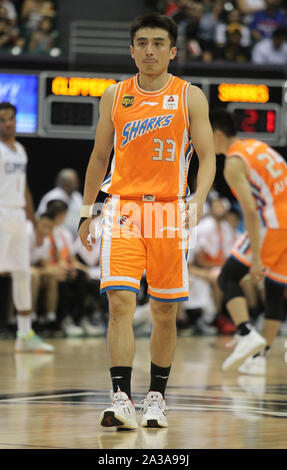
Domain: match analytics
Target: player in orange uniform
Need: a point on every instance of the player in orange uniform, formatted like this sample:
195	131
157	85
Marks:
153	121
257	175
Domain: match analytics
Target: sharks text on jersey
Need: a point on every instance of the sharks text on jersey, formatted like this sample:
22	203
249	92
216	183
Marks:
134	129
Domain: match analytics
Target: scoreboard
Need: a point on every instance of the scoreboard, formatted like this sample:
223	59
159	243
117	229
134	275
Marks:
258	107
68	103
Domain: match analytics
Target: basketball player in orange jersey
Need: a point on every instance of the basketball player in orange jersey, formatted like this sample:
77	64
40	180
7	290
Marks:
257	175
153	120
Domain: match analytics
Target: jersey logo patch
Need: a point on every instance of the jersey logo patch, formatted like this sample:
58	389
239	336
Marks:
170	102
128	101
150	103
138	128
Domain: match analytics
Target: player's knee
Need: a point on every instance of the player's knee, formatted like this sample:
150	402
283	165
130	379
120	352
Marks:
121	303
274	303
163	312
230	277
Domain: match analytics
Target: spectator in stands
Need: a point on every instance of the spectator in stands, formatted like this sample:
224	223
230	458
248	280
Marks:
233	218
9	33
271	50
44	276
95	304
11	11
44	39
191	26
208	24
215	238
32	13
73	285
233	16
232	50
265	22
67	184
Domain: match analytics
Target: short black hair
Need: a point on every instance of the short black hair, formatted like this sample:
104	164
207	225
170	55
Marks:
155	20
47	215
222	120
56	207
6	105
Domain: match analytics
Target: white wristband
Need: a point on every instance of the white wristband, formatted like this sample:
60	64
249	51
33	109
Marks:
87	210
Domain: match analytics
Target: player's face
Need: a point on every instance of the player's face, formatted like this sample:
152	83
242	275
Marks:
59	219
218	209
7	123
152	50
45	226
73	183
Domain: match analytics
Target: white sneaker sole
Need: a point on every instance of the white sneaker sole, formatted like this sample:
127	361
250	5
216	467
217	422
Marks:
110	419
249	371
39	350
237	362
153	423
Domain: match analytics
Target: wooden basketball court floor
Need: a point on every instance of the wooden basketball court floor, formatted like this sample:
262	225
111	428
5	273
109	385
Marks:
54	401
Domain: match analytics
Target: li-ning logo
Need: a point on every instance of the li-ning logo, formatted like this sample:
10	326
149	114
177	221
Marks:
134	129
122	220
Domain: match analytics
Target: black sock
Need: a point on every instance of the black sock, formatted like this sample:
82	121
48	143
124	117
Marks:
159	378
243	328
121	378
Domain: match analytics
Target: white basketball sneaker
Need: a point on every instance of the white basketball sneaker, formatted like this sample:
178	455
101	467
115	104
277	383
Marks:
247	345
32	343
254	366
121	414
154	407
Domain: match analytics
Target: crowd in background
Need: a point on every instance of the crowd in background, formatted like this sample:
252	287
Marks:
209	30
231	31
64	275
29	26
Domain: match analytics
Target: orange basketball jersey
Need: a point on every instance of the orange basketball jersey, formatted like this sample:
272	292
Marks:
152	146
267	172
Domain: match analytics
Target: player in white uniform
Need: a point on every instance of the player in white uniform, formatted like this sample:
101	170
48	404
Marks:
14	243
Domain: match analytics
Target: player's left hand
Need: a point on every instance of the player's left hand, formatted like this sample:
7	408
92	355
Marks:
83	232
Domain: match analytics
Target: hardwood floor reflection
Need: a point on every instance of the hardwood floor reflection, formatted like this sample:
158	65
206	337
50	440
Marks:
54	401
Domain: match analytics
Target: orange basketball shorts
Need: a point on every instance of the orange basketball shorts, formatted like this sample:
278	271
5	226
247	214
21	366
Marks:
273	253
140	236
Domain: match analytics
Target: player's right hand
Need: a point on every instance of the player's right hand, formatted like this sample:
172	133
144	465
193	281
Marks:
84	232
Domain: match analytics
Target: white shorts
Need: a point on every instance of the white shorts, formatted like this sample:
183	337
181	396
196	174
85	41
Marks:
14	240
